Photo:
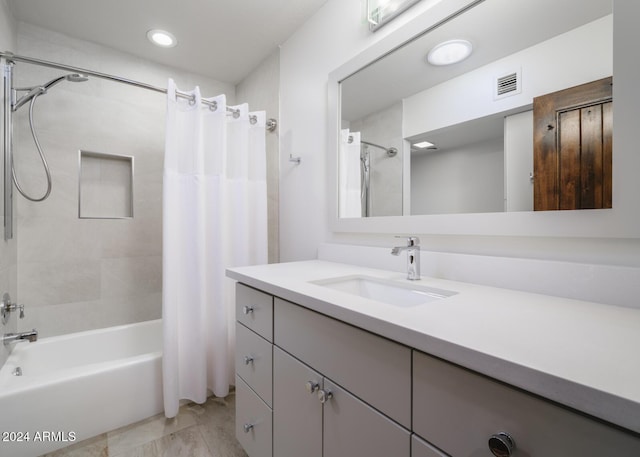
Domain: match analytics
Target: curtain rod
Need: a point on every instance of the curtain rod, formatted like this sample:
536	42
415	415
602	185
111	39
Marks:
11	57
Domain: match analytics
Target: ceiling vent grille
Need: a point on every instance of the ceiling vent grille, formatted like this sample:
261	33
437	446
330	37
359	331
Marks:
507	85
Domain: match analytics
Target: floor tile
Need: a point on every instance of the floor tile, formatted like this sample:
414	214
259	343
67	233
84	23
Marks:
184	443
127	438
93	447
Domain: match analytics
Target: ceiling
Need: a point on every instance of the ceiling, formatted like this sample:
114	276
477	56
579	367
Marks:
222	39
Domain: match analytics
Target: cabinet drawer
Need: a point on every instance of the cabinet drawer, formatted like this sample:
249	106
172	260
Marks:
420	448
255	310
254	357
353	428
373	368
458	411
254	423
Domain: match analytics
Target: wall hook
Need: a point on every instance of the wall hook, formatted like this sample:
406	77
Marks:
296	160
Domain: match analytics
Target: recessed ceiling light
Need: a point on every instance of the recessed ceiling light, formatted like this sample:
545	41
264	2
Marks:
449	52
424	145
162	38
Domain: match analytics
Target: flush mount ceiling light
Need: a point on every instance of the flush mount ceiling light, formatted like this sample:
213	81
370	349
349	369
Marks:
424	145
162	38
449	52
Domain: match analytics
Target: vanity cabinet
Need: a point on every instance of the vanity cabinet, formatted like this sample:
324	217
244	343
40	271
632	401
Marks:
331	386
314	417
311	385
367	365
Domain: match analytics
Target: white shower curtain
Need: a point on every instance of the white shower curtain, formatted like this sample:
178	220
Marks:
350	201
214	217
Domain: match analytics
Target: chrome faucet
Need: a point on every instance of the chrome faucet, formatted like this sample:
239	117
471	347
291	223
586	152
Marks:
31	337
413	256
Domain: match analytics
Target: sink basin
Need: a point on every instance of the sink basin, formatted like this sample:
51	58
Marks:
386	291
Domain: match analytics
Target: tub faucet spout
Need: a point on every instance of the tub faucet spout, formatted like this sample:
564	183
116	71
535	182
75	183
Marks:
413	256
31	337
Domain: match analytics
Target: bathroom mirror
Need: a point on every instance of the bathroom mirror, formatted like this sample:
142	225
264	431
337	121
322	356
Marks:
464	132
622	220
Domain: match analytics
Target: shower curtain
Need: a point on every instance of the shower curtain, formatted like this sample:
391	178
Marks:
214	217
350	202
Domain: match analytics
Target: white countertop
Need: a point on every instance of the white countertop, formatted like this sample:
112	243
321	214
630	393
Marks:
580	354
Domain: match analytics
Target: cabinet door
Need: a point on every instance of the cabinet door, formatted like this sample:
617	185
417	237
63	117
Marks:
353	428
297	412
420	448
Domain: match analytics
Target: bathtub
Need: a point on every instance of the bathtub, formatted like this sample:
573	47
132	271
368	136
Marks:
79	385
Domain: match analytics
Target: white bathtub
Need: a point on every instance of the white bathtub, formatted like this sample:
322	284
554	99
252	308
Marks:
77	386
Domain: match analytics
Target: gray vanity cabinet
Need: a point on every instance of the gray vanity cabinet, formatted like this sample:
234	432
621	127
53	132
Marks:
311	385
343	425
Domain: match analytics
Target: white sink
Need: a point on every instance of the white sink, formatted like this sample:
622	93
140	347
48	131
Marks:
403	294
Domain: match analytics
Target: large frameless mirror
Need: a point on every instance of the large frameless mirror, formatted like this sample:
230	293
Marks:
522	123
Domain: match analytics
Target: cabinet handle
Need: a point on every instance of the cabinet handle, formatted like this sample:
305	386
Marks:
324	395
247	427
248	359
502	444
311	386
247	309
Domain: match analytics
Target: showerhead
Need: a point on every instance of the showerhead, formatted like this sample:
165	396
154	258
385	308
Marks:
35	91
73	77
77	77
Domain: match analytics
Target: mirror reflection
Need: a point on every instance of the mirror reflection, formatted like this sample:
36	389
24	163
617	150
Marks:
521	123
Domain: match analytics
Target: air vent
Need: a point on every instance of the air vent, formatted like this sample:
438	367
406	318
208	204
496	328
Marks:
507	85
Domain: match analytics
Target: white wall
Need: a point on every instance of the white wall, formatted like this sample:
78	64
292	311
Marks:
336	33
465	179
331	38
261	89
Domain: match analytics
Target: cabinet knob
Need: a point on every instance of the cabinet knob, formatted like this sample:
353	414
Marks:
248	359
502	444
247	427
324	395
311	386
247	309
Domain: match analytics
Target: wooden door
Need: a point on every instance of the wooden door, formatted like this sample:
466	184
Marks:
573	131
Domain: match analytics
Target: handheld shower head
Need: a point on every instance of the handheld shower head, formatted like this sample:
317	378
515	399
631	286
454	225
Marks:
39	90
77	77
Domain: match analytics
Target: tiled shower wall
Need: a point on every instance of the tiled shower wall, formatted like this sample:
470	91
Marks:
79	274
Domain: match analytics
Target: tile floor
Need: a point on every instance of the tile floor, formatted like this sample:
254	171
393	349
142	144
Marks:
206	430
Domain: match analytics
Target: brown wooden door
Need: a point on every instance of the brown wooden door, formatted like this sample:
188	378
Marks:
573	131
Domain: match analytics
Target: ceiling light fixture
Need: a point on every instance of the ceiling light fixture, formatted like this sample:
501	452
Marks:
162	38
449	52
424	145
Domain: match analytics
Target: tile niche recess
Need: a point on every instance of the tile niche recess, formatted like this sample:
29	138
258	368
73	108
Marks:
105	189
